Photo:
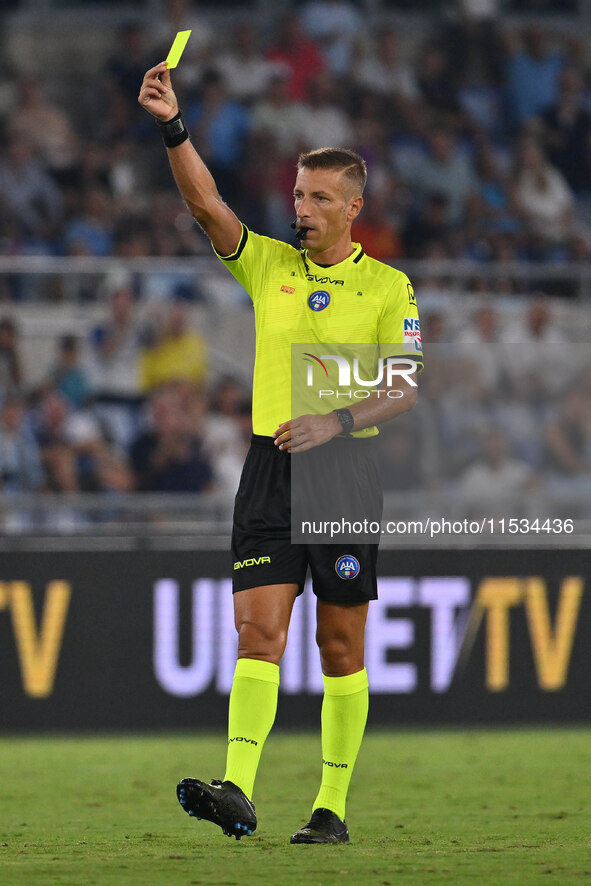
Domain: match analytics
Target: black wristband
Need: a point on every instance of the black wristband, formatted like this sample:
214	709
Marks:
173	132
346	419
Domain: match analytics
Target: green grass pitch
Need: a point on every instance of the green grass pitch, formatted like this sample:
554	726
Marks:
485	807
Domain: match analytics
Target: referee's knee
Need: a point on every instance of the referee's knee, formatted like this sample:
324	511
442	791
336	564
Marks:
259	641
338	657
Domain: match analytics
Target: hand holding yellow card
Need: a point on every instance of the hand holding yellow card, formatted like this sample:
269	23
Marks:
177	49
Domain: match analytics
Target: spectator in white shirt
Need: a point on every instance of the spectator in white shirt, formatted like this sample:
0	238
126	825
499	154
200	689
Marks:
496	484
246	72
20	464
113	366
542	193
278	117
28	190
445	170
324	122
383	72
335	25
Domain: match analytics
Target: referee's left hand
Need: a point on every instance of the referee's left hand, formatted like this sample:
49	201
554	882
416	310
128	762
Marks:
306	431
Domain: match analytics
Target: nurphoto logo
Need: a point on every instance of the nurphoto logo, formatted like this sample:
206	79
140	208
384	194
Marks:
388	369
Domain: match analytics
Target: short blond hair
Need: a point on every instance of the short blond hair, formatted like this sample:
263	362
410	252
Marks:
343	160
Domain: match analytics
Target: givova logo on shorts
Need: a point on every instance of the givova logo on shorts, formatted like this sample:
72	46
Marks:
347	567
252	561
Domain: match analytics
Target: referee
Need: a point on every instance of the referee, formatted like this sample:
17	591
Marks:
367	302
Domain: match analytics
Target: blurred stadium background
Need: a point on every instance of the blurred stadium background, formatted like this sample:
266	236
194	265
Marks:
126	350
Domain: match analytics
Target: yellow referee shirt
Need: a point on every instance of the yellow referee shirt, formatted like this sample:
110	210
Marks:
358	300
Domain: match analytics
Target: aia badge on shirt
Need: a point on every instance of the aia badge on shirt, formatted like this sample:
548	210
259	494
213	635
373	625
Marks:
319	300
347	567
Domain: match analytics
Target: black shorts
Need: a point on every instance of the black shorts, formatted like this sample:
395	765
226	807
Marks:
262	548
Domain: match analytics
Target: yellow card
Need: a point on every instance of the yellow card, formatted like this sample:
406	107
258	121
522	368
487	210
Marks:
177	49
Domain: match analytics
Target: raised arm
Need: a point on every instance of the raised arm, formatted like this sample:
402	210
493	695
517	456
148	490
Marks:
192	176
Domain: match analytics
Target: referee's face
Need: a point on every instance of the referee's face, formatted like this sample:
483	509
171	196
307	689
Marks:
325	205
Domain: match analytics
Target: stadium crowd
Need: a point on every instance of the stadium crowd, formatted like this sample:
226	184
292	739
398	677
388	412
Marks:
478	143
503	421
477	138
128	408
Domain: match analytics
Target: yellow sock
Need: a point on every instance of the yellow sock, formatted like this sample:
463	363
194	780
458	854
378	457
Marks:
253	704
344	714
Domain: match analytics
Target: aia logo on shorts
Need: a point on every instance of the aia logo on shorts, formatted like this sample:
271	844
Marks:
319	300
347	567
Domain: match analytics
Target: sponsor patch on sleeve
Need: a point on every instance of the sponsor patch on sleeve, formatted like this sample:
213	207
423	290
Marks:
411	329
